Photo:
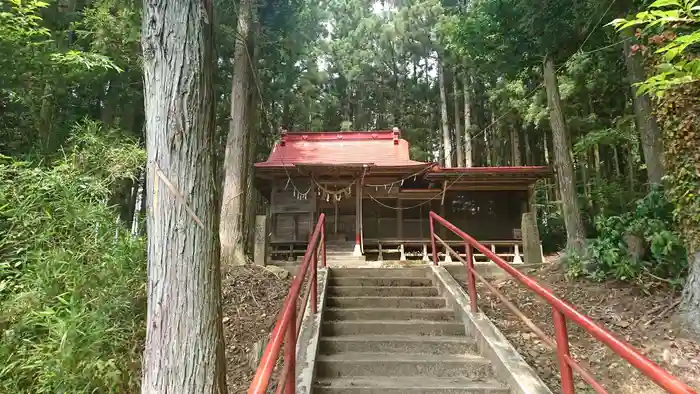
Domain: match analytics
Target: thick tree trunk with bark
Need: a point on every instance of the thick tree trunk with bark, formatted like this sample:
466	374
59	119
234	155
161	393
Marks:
251	193
649	132
563	162
235	167
458	126
446	141
468	155
184	336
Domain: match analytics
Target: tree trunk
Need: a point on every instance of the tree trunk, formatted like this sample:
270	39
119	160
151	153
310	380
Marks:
690	307
515	146
109	103
649	132
252	144
529	156
631	174
45	126
233	199
458	126
468	155
489	139
184	336
575	235
446	142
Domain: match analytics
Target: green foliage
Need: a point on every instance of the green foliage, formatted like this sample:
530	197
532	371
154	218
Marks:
72	297
678	50
550	222
680	113
662	252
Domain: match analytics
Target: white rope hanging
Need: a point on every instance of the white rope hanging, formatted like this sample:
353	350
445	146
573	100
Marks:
335	195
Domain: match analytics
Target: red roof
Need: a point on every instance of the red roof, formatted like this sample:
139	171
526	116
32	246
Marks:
527	170
382	148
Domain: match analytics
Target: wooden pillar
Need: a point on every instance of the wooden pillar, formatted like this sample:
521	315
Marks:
357	251
335	218
313	214
443	212
399	219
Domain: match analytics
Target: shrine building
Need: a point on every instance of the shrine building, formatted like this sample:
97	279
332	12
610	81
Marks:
376	198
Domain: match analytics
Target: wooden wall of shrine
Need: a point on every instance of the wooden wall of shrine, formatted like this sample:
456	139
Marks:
395	215
485	215
292	216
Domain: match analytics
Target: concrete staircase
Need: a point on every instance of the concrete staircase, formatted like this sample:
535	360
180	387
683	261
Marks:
388	331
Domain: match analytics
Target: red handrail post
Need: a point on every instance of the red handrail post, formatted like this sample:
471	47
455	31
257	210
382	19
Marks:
432	239
312	283
290	350
471	280
562	338
323	243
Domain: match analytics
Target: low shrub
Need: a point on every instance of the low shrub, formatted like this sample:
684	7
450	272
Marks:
72	280
634	245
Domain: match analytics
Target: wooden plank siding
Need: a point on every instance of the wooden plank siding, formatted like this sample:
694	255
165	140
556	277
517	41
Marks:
485	214
292	218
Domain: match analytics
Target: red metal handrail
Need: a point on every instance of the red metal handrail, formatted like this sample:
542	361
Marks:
287	326
561	310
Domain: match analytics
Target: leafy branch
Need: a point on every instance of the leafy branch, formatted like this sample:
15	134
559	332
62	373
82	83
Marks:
680	65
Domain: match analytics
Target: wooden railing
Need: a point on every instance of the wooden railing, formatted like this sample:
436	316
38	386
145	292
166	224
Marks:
286	328
561	311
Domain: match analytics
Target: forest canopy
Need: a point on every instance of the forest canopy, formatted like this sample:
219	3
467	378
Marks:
604	92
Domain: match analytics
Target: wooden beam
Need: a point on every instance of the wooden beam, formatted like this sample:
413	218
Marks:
444	192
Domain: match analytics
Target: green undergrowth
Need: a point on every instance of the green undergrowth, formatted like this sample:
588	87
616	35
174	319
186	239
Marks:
635	246
72	280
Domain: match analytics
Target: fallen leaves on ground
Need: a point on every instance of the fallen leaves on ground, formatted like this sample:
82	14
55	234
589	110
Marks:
252	297
644	319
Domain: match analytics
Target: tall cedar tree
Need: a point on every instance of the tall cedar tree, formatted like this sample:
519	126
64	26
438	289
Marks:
184	336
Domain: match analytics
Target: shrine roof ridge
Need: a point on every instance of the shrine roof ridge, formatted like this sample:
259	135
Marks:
358	135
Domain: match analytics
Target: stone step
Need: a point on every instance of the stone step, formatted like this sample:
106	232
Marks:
390	364
385	302
408	385
419	272
444	314
382	291
379	281
391	327
348	256
397	344
345	261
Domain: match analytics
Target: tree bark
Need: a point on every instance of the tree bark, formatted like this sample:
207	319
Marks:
468	155
446	141
458	126
252	118
184	335
563	162
233	200
649	132
690	307
529	155
45	124
515	146
109	104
